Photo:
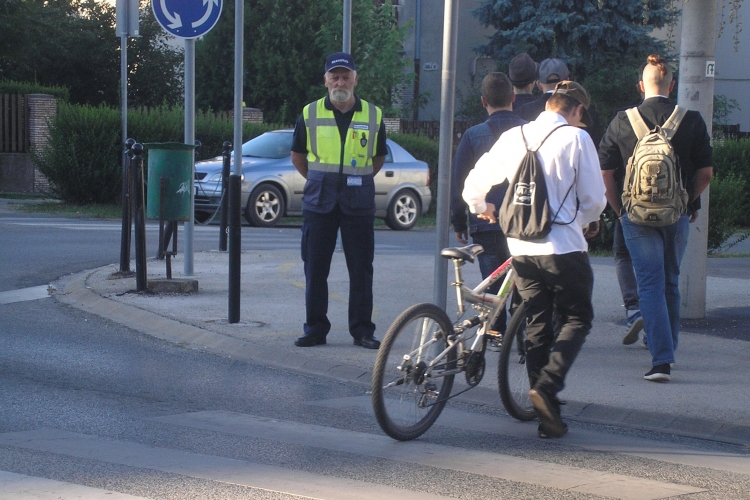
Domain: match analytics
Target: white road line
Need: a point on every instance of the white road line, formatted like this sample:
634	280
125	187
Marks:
21	487
475	462
576	437
213	468
24	294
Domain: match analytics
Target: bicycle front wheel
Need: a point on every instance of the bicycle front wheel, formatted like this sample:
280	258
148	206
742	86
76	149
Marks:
512	377
410	381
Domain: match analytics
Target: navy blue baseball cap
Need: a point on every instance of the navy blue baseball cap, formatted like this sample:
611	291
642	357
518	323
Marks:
340	60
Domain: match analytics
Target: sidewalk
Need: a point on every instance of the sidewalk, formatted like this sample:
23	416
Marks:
708	396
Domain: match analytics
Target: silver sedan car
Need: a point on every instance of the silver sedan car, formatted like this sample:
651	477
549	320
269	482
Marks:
272	187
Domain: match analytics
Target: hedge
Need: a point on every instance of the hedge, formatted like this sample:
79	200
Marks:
82	159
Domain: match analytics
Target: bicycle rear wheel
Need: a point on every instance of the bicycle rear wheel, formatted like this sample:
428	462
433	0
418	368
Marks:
407	396
512	378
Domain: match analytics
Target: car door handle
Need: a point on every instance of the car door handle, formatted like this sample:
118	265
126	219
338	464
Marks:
389	173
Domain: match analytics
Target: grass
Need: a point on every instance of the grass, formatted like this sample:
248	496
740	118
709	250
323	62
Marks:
68	210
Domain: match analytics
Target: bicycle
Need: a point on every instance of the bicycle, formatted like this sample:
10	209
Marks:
424	350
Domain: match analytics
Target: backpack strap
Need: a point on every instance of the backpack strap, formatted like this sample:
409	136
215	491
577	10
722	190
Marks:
674	120
545	138
670	126
636	121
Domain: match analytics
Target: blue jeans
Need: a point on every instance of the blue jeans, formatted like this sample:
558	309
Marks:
657	254
624	269
495	253
319	234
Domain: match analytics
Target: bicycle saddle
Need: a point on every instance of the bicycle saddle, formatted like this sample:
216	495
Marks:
466	253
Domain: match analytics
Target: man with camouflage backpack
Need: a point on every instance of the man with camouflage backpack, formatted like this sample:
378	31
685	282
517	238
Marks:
653	210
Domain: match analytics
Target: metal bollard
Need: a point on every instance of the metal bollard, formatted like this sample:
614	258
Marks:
127	187
223	230
139	216
235	247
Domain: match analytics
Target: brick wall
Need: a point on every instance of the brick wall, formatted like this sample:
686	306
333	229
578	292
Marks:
42	109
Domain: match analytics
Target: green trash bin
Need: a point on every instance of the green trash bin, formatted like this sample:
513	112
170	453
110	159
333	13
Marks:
172	161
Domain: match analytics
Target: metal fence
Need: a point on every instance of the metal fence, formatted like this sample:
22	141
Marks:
14	124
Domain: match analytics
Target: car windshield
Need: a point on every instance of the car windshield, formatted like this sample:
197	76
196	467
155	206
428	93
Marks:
269	145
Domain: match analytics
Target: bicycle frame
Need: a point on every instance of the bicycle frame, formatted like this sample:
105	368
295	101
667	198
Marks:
488	304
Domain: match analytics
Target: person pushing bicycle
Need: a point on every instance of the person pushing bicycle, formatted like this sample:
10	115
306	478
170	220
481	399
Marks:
553	271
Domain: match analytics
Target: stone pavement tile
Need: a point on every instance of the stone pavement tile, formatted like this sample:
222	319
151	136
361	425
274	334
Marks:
603	413
696	426
649	420
739	434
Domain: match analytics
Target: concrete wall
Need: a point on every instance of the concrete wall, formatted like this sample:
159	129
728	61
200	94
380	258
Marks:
16	173
469	69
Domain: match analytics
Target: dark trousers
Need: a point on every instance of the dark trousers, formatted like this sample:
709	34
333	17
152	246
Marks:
319	233
564	282
495	253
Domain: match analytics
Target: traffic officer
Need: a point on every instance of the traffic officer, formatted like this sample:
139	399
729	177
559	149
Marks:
339	147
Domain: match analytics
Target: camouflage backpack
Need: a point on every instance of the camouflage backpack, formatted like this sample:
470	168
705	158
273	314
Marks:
653	193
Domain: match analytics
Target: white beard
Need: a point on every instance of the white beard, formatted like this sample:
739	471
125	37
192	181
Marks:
340	95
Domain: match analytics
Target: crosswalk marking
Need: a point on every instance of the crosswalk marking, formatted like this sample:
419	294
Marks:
22	487
220	469
577	437
431	455
24	294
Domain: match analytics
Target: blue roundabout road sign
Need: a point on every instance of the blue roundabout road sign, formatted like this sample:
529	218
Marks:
187	18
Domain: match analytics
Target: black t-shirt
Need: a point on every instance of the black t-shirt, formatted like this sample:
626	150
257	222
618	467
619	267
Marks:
691	142
299	141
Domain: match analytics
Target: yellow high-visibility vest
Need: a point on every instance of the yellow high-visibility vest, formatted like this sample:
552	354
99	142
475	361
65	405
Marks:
324	141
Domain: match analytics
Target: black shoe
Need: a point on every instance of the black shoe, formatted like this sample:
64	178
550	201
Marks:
659	373
368	342
309	341
544	434
548	410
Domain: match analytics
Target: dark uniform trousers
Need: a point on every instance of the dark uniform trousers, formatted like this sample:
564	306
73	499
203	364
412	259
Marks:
319	233
565	283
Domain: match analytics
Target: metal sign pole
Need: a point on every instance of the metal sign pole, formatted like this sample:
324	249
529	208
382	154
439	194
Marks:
347	30
188	20
447	101
190	139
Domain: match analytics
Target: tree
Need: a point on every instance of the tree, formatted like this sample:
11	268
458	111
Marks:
286	42
72	43
604	42
154	67
584	33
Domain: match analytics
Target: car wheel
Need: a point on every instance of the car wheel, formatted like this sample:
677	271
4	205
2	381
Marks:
403	211
202	217
265	207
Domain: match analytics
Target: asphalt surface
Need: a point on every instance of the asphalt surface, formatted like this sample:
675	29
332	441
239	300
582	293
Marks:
706	398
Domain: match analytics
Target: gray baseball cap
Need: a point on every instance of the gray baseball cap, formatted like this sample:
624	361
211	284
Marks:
553	71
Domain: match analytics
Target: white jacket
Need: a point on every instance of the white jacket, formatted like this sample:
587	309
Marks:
568	156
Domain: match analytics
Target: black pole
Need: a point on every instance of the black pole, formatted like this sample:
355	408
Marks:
139	216
224	198
126	209
235	246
